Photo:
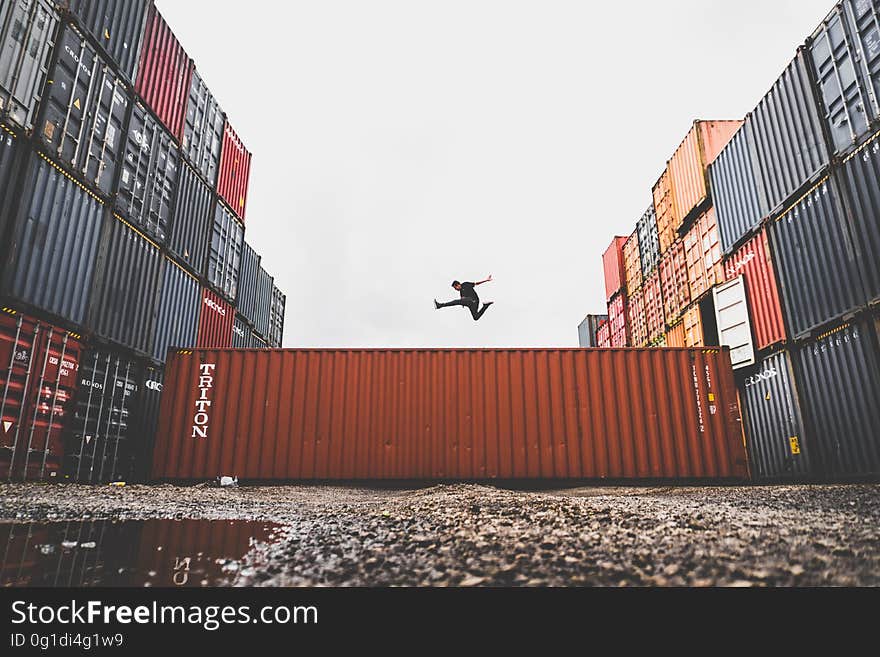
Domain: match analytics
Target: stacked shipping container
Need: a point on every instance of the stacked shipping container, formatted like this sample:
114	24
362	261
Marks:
122	197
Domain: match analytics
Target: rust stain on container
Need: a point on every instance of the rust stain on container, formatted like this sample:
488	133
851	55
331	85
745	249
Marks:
450	415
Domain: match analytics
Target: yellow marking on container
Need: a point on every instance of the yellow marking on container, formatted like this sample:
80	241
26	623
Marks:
795	445
711	396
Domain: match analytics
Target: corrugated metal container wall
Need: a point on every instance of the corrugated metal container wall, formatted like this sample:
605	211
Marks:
864	21
773	421
617	318
839	378
248	281
675	336
688	165
98	446
615	272
859	176
649	242
235	172
241	333
789	143
193	215
636	319
674	282
84	111
215	322
263	318
703	255
11	155
164	73
147	421
451	415
844	96
149	175
603	336
693	327
27	39
655	317
814	257
224	257
54	243
124	308
276	318
38	364
740	203
632	262
178	311
664	206
753	260
203	130
118	25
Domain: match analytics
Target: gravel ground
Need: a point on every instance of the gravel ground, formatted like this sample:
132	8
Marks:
470	535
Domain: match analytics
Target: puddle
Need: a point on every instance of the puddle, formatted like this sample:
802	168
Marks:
164	553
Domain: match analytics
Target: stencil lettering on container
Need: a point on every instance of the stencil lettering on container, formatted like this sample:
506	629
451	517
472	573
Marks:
201	418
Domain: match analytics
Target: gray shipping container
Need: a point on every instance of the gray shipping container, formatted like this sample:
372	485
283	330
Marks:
588	329
864	17
790	147
203	130
148	181
815	262
774	424
179	302
740	203
98	446
193	216
27	38
147	421
241	333
10	168
224	258
276	319
649	242
124	305
263	303
248	278
839	380
842	90
860	177
118	25
54	243
82	124
257	342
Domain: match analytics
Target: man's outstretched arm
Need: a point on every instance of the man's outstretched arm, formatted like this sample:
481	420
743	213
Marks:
488	280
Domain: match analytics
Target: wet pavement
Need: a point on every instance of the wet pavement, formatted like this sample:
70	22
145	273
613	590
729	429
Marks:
466	535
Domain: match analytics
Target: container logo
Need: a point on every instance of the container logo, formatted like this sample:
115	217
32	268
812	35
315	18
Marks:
22	357
746	259
201	418
75	57
766	375
154	386
213	305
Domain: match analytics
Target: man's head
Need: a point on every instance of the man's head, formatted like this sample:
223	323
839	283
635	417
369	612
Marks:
456	285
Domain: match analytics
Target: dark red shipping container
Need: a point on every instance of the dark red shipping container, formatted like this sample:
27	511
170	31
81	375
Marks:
617	318
164	74
450	415
215	322
754	261
38	365
615	273
235	171
603	336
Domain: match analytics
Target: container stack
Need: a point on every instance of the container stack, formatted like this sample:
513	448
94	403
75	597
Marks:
770	244
590	329
123	198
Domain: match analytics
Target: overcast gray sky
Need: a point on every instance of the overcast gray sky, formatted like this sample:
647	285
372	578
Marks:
401	144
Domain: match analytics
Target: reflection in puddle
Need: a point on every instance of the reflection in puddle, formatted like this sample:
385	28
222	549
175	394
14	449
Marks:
165	553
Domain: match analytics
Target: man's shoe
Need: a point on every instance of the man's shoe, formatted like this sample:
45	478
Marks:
436	305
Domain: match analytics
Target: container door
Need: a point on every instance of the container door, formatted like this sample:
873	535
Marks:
734	326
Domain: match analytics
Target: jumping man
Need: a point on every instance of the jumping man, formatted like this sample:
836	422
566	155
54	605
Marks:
469	298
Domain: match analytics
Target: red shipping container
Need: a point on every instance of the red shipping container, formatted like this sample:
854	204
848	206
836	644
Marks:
637	321
654	312
703	254
38	366
164	74
674	281
603	336
317	415
754	261
235	172
617	319
215	322
632	263
615	273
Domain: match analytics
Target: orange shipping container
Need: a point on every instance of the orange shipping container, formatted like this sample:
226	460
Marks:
632	259
655	317
688	166
674	281
317	415
693	327
675	337
664	205
637	321
702	248
612	263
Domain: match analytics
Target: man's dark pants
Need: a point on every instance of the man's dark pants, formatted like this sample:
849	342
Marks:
470	304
